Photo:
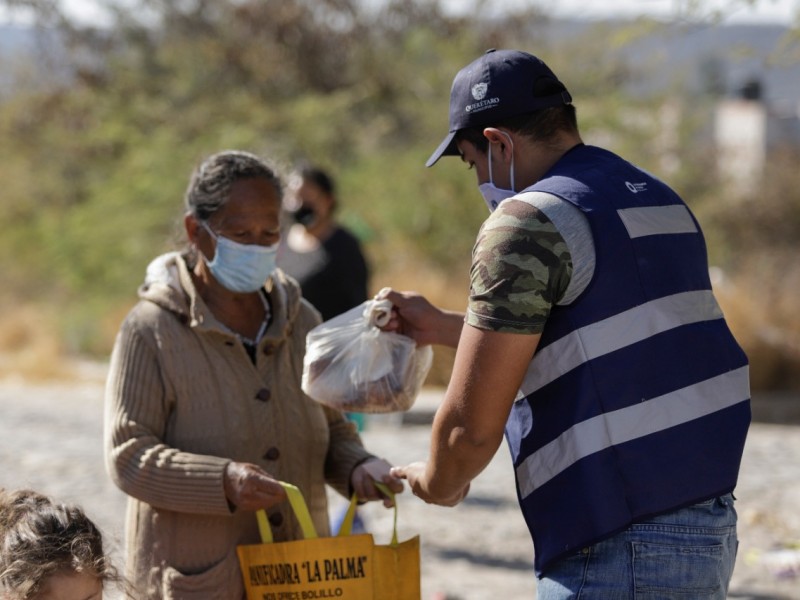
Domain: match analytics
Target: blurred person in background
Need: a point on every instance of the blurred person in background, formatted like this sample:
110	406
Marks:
50	551
592	341
324	257
204	408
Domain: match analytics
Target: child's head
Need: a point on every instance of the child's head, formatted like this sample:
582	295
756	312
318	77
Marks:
49	551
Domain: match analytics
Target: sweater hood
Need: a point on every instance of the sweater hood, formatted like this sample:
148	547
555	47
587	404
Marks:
168	284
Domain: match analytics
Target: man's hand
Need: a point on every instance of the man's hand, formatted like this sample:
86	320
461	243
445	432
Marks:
415	473
414	316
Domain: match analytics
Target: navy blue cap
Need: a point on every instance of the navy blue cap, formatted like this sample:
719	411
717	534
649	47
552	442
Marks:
498	85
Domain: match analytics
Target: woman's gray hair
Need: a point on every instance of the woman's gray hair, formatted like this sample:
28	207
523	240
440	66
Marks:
211	182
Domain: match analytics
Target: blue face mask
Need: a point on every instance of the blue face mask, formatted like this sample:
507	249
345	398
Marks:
241	267
492	194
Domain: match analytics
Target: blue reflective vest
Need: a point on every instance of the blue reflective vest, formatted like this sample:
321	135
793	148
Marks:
636	402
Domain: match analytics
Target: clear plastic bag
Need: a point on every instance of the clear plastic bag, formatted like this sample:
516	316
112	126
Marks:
352	365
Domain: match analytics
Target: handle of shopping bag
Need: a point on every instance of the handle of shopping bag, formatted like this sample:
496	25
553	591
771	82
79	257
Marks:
347	523
300	509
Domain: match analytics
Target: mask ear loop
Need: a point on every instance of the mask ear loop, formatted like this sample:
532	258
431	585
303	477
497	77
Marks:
513	186
491	179
510	143
213	235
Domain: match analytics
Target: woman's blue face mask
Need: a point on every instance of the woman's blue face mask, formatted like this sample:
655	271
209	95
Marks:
238	267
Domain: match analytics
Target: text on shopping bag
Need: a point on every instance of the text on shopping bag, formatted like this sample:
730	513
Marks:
311	569
335	569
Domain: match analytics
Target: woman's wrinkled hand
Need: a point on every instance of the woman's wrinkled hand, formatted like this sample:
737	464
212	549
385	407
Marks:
364	477
249	487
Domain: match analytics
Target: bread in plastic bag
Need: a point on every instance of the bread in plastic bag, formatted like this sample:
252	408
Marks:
352	365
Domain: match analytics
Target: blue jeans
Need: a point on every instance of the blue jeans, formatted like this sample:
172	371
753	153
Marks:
687	554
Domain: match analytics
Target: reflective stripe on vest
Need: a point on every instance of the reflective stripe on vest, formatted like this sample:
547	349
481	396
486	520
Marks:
626	424
629	327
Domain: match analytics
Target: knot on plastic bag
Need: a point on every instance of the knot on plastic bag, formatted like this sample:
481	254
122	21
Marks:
378	312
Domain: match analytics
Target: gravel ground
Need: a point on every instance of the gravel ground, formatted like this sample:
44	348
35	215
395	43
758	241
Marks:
50	440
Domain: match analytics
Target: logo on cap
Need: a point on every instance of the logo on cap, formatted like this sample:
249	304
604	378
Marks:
636	187
479	90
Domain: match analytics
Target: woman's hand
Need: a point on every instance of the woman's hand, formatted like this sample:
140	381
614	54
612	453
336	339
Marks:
371	470
249	487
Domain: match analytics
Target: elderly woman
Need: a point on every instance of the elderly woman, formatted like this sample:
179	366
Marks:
204	409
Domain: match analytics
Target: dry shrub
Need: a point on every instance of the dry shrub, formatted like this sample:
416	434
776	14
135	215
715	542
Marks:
30	345
761	305
107	326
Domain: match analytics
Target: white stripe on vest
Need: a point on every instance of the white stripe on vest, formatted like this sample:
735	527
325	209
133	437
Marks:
626	424
621	330
657	220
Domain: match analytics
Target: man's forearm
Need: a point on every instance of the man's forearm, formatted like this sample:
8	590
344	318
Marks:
451	324
457	456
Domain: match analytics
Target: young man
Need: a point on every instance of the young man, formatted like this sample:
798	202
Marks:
592	340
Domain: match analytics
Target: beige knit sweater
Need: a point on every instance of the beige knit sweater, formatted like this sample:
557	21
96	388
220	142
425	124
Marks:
183	399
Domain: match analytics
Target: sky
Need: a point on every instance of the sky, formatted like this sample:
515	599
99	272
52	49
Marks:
784	12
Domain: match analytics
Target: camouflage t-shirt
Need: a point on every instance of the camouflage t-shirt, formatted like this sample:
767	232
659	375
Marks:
521	266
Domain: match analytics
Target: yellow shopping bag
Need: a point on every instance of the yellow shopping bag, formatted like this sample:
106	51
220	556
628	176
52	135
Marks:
351	567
